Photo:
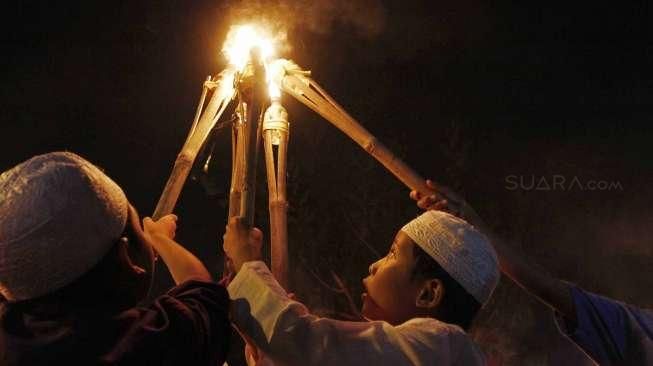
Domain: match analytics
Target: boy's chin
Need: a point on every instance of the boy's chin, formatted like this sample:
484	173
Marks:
370	310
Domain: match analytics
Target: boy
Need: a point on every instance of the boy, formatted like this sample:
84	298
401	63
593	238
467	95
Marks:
419	298
74	263
608	331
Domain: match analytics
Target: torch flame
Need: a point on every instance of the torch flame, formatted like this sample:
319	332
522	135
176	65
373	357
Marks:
274	90
240	40
226	84
275	71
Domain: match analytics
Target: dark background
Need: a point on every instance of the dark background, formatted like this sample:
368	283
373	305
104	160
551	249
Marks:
474	95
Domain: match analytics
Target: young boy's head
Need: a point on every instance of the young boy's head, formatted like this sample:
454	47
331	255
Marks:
438	266
69	235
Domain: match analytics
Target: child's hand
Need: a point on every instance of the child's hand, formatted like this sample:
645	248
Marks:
240	244
435	201
183	265
447	200
165	226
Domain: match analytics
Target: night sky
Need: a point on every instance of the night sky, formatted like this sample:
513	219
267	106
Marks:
473	94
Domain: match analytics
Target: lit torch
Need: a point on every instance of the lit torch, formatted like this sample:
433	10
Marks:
205	119
250	53
250	65
297	83
276	132
247	51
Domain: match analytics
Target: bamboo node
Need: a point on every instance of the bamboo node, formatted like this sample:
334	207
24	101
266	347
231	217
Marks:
371	145
184	159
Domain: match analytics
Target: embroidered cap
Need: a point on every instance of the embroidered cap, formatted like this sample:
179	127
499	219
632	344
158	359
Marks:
459	249
59	215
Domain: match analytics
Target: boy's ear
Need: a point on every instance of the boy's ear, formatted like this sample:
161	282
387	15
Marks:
430	295
125	259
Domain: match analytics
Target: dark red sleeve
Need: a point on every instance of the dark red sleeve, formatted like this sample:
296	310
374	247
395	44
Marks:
188	325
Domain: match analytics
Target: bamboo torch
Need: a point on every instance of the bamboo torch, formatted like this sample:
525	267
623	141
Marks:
275	140
250	84
299	85
205	119
246	52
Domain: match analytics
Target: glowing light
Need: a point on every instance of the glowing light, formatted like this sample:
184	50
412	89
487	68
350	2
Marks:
226	84
241	40
274	73
273	90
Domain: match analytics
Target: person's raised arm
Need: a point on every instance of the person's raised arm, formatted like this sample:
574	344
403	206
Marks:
183	265
530	276
285	331
241	244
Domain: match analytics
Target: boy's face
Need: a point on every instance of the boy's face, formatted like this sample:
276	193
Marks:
390	291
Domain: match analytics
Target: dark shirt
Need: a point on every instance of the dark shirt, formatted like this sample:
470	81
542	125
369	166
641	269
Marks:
610	332
189	325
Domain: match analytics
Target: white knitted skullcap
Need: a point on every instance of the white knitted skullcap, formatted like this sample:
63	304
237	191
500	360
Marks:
459	249
59	215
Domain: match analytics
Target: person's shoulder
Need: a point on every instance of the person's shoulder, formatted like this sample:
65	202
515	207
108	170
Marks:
193	295
194	286
432	325
431	329
449	342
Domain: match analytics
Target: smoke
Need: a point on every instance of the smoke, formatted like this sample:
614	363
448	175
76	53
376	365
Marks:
366	18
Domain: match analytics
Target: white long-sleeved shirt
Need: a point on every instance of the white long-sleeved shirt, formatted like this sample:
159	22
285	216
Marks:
289	335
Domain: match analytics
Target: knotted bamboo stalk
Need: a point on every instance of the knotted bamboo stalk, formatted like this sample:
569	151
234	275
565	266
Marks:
250	87
205	119
307	91
251	97
276	132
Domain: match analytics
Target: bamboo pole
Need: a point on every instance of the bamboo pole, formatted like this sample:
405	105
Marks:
313	96
201	127
276	132
251	94
237	175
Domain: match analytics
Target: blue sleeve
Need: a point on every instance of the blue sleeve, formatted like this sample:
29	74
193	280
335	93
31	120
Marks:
603	325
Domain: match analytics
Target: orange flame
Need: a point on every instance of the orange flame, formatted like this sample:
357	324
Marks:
241	39
274	90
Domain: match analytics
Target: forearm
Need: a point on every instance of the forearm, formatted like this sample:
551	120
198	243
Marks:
534	279
552	291
181	263
284	329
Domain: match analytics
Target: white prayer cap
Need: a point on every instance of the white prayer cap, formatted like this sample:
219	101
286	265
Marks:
459	249
59	215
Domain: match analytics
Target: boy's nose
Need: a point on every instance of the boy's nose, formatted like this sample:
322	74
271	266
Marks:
372	268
